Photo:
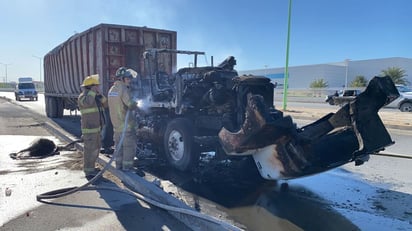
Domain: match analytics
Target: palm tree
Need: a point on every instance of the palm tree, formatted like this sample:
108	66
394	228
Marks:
319	83
397	75
317	86
359	81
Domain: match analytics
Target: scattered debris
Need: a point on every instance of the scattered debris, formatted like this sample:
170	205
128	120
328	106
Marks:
8	192
41	148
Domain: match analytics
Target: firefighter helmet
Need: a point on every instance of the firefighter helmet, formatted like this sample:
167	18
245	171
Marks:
123	72
91	80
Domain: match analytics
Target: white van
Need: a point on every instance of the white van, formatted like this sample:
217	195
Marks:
25	89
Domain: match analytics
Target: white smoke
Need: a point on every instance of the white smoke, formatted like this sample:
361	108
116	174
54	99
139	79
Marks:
144	104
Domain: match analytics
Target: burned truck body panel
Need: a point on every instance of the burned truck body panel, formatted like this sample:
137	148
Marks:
283	151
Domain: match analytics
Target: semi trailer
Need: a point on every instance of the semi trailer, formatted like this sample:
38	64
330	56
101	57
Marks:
100	50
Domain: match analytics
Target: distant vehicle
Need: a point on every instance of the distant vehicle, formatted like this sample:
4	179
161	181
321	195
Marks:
404	89
25	89
342	97
404	102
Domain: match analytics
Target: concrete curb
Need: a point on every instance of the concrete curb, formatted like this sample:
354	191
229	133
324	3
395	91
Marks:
152	191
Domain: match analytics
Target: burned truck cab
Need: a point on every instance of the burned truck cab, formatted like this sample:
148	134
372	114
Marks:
212	109
182	113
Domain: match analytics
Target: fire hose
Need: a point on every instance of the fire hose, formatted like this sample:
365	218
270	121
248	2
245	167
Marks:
70	190
395	155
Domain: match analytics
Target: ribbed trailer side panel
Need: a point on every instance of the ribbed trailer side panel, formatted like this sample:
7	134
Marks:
99	50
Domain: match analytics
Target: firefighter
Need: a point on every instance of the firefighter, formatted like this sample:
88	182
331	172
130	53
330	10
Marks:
120	101
91	104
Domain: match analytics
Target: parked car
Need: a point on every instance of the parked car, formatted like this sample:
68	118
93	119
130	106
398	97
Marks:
342	97
404	89
404	102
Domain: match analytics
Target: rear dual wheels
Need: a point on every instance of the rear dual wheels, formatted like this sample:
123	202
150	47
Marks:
54	107
180	149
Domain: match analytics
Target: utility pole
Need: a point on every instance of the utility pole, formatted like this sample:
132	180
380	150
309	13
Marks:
40	58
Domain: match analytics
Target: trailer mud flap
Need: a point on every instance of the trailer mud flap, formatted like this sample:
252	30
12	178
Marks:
282	151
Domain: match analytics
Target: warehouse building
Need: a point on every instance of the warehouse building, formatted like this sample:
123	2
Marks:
335	74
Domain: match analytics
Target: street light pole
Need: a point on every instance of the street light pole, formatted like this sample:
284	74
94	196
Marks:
346	75
40	58
286	76
5	66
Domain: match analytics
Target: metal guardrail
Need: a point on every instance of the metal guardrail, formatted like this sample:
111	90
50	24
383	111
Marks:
7	89
12	89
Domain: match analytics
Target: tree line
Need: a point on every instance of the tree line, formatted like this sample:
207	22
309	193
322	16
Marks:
397	74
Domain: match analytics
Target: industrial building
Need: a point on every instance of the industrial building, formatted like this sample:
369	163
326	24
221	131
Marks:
335	74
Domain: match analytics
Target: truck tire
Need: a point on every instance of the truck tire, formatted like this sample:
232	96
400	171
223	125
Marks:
51	107
406	107
46	106
59	107
180	150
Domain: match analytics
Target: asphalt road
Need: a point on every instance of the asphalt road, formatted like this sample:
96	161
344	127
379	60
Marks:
374	196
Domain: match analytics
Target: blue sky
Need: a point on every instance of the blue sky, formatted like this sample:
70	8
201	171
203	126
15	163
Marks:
255	32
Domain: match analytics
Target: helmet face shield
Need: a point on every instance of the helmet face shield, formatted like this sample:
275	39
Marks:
128	75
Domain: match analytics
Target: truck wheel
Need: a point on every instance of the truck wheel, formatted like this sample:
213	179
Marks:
406	107
60	107
47	106
180	149
52	107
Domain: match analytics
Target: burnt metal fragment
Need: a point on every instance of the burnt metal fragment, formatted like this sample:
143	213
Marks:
281	150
